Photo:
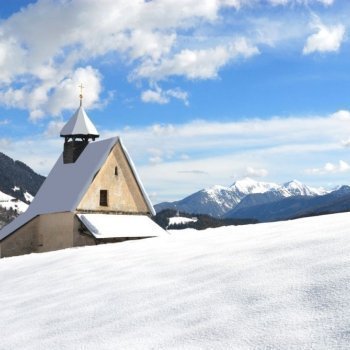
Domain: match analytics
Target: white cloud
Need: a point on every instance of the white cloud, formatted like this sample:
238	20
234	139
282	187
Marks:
44	46
256	172
196	64
53	129
4	122
341	115
155	160
161	130
284	146
66	92
162	97
332	168
193	172
300	2
346	143
326	38
5	143
154	96
168	154
51	97
326	2
178	94
49	43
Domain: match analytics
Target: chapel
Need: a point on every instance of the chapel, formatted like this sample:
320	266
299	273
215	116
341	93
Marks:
92	195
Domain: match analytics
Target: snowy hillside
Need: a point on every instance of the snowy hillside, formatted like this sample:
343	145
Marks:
9	202
282	285
18	180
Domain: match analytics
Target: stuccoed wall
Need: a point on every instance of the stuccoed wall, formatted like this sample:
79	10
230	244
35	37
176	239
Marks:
23	241
124	195
80	238
55	231
46	233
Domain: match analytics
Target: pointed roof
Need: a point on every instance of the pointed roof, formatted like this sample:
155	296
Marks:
66	184
79	124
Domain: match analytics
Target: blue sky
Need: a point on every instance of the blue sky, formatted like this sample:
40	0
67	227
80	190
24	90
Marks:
202	92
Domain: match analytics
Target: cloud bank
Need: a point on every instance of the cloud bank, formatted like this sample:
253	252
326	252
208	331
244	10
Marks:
50	46
172	156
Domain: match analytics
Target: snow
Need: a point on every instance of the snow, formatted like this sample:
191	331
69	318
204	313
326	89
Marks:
178	220
9	202
79	124
28	196
5	197
296	188
112	226
292	188
218	193
281	285
248	186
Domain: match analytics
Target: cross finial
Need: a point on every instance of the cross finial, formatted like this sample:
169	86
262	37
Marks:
81	93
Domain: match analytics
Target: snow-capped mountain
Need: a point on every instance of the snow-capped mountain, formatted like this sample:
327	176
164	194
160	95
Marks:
273	209
296	188
214	201
289	189
248	186
219	200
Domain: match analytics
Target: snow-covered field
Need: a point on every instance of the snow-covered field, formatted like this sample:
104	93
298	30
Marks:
283	285
178	220
9	202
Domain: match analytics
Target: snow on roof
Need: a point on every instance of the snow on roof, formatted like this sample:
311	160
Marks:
113	226
66	184
79	124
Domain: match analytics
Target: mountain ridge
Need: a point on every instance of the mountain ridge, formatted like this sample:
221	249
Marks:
218	200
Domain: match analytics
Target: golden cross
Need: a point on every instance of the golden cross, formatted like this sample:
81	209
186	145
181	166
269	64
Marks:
81	93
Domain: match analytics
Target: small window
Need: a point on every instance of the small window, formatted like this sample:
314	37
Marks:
116	170
103	198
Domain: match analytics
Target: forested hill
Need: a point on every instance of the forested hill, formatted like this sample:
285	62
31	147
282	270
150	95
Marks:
18	179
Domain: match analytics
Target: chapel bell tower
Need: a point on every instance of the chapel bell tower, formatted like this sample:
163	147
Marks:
77	133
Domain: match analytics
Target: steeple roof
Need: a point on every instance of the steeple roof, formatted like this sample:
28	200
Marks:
79	124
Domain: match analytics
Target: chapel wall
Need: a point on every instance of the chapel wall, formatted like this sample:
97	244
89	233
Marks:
55	231
23	241
124	194
81	238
